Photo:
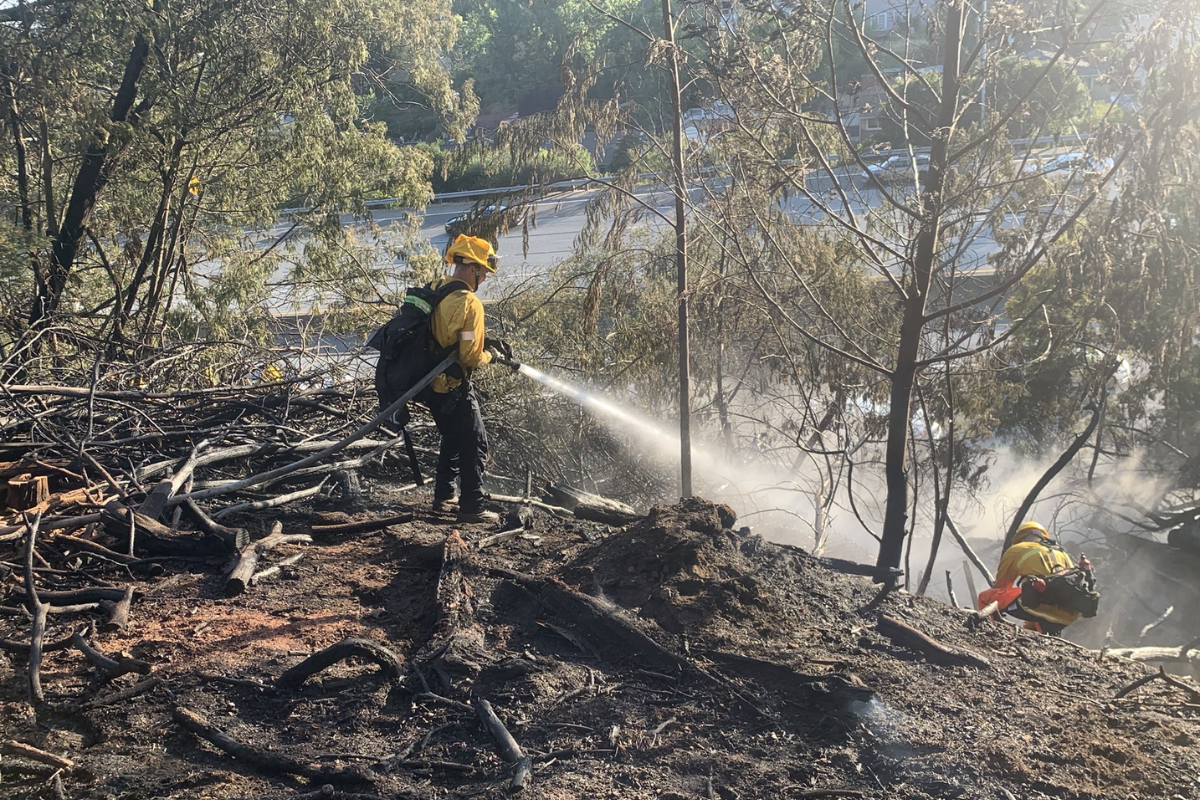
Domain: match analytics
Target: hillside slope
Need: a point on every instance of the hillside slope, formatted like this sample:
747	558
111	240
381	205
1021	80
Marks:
674	658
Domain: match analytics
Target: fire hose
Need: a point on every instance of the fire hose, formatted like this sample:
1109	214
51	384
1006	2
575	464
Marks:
362	431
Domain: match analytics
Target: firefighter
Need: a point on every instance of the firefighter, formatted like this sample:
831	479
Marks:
458	320
1020	589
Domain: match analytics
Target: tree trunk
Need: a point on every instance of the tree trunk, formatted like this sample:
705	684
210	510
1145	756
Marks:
1051	473
22	175
94	173
891	546
681	294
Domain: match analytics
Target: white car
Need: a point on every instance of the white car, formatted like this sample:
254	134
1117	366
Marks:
1062	167
899	168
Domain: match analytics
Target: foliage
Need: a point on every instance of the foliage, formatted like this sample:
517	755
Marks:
150	143
475	166
1052	98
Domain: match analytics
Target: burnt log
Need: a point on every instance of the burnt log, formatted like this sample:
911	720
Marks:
603	628
506	745
118	612
156	501
938	652
457	649
27	491
243	570
265	759
835	690
153	537
234	538
96	594
593	507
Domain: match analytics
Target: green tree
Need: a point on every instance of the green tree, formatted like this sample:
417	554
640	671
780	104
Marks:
1052	97
144	137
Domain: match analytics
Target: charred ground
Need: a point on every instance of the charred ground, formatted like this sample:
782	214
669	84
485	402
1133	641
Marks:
678	657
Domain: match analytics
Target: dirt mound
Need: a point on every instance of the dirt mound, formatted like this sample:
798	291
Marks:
678	657
682	566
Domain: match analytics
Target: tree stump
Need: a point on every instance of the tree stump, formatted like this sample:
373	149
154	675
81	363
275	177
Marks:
27	491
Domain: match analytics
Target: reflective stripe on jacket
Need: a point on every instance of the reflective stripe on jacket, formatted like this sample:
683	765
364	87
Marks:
459	318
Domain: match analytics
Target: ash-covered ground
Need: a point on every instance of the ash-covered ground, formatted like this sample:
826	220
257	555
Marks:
679	657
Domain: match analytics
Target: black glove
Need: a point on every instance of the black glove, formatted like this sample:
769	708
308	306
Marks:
499	345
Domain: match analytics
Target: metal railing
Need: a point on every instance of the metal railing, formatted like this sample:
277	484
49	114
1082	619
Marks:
703	172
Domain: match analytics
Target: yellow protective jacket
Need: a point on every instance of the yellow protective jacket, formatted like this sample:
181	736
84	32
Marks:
1034	559
459	318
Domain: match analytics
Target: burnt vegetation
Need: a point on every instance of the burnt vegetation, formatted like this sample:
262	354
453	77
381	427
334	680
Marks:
907	280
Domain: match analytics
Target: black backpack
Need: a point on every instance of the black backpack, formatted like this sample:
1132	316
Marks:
407	349
1071	589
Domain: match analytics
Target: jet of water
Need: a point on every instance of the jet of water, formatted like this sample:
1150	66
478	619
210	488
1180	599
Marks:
625	419
752	483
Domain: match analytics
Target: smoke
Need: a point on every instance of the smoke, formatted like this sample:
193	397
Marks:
785	501
805	502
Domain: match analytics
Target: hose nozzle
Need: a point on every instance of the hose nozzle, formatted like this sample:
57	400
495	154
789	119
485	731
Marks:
511	363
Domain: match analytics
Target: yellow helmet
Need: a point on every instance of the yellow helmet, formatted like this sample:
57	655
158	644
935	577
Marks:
1029	531
472	248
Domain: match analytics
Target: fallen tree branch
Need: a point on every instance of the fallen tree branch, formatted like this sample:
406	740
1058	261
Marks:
114	668
243	570
118	612
95	548
361	527
907	636
388	662
593	507
506	745
270	502
22	650
557	511
11	747
39	611
264	759
1162	675
497	538
53	524
1165	654
153	536
156	502
137	689
234	538
272	571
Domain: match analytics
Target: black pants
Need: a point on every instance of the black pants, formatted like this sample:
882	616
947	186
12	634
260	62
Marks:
464	447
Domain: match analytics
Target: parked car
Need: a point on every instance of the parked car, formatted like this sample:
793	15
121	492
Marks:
899	168
1062	167
463	222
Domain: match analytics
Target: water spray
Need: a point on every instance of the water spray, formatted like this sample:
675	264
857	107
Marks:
754	484
602	407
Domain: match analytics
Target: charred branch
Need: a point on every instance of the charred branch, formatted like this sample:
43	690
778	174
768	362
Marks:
389	662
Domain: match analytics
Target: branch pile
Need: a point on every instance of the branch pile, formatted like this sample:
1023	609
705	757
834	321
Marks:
97	487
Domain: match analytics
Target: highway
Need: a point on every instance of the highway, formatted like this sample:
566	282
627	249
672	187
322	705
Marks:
560	218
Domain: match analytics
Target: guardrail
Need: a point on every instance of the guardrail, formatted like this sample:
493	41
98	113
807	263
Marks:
577	183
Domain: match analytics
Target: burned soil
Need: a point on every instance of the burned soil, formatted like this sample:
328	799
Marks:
678	657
